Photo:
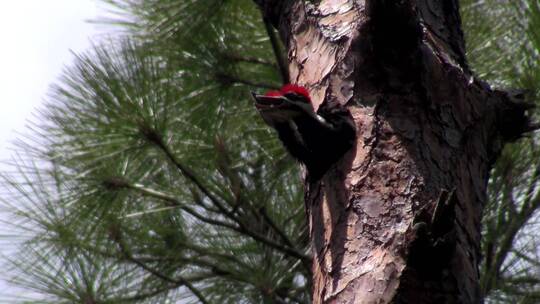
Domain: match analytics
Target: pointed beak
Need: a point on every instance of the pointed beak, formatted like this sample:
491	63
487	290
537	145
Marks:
263	101
255	95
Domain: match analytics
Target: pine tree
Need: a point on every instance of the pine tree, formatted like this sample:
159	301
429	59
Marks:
503	42
152	179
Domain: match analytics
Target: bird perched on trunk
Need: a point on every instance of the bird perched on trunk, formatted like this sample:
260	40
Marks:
316	139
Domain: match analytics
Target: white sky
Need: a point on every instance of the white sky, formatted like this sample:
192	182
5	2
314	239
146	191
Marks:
36	37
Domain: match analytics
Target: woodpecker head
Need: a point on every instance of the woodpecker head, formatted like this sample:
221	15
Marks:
283	105
296	93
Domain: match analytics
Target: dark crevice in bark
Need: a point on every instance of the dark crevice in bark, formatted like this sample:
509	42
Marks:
274	11
395	36
278	52
443	22
430	253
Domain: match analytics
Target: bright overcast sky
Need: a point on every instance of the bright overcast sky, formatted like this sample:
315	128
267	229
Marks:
36	38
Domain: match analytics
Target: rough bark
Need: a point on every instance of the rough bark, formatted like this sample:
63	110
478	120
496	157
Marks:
397	219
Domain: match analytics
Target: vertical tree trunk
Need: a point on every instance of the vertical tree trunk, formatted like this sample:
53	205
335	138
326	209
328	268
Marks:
398	218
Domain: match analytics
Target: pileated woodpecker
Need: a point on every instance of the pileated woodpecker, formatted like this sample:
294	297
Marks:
317	139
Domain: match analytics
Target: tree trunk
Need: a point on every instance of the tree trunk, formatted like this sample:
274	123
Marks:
397	219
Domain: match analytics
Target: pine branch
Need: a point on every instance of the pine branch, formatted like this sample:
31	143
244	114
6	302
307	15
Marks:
171	201
281	61
523	256
206	252
230	79
188	173
238	184
505	245
179	281
272	225
200	262
533	181
241	228
250	59
144	296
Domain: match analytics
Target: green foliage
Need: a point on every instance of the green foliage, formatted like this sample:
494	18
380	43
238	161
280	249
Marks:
152	178
504	48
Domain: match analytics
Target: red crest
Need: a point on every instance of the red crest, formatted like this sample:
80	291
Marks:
273	93
292	88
